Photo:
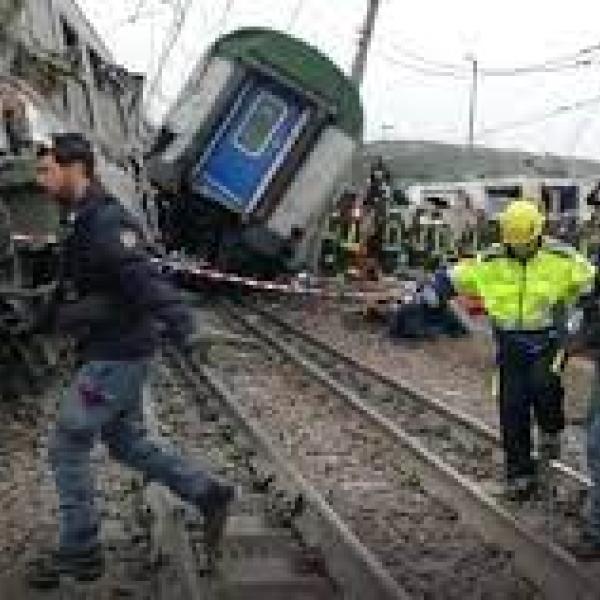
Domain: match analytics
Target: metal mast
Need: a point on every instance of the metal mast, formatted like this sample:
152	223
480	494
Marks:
473	101
366	35
358	71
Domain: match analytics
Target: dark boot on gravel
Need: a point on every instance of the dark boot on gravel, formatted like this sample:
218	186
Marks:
522	489
587	548
214	505
549	446
44	570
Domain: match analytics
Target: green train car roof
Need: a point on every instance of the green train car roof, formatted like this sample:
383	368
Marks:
302	64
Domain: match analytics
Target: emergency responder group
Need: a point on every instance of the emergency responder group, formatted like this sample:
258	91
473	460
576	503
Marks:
530	286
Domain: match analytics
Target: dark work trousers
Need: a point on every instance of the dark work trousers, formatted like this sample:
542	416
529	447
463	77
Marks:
527	381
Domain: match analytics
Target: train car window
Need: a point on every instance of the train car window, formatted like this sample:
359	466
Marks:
569	199
261	124
65	97
71	42
504	192
89	107
328	246
497	197
400	198
96	66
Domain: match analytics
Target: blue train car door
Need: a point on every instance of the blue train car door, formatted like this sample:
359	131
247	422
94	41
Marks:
258	132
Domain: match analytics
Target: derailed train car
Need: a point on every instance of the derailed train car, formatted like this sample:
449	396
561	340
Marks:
249	158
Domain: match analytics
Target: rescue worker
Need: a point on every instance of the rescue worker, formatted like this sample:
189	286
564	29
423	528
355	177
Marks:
527	284
112	298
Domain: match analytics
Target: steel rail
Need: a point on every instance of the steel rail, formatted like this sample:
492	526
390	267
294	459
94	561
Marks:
360	574
550	567
470	422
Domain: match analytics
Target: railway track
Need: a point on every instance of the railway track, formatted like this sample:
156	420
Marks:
455	455
282	540
338	501
367	376
140	527
372	484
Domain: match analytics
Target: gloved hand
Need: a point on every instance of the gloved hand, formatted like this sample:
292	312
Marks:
430	297
442	285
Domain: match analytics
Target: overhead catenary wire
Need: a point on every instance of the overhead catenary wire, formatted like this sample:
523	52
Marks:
170	41
135	14
558	111
582	57
295	14
578	58
222	23
430	72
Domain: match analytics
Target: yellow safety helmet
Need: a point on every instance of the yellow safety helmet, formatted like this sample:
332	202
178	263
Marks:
521	222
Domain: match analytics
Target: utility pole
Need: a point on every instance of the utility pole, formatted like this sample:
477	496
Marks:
470	153
357	73
473	101
366	35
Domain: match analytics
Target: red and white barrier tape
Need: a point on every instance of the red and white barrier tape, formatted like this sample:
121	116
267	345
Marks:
293	288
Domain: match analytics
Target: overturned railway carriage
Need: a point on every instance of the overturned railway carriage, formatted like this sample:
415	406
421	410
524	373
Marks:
250	155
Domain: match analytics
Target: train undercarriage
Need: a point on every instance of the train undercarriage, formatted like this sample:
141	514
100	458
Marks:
28	279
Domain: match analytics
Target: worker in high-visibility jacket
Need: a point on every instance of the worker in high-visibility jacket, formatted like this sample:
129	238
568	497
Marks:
527	284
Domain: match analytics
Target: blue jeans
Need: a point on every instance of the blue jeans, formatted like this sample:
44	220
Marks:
105	401
593	457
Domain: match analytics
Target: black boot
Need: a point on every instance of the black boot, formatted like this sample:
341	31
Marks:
214	505
587	548
521	489
549	445
44	571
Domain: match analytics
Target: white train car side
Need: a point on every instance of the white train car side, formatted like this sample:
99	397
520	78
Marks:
254	147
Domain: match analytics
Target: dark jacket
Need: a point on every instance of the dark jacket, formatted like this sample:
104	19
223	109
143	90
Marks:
112	299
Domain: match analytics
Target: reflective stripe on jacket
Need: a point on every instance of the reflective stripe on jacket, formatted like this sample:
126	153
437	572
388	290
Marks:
525	295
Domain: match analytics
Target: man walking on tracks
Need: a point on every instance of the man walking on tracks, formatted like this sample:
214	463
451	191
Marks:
527	284
112	298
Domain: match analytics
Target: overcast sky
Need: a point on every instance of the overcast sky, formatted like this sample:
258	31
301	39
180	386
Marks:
418	77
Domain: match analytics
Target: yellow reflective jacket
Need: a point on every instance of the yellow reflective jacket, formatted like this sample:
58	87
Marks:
524	295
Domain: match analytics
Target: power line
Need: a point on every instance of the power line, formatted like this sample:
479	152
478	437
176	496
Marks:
430	63
430	72
295	14
220	27
560	110
135	13
168	46
573	60
577	58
